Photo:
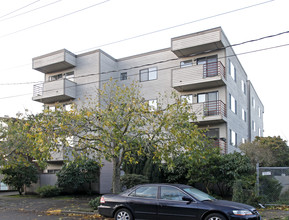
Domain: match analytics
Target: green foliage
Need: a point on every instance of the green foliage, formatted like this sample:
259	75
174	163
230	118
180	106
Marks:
76	173
48	191
245	192
270	189
94	203
19	175
220	170
130	180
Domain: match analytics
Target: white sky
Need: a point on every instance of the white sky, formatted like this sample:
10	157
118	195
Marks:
21	39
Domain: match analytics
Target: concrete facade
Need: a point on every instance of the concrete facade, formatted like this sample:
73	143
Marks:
201	66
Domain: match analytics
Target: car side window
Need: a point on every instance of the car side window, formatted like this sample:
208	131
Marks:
171	193
145	192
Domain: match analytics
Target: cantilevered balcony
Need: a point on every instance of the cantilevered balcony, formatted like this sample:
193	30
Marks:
53	62
196	43
54	91
199	76
210	112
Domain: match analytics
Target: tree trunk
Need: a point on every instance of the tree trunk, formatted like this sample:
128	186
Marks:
116	175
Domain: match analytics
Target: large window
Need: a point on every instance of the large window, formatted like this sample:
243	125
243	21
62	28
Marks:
210	65
233	104
233	138
207	97
253	125
210	101
148	74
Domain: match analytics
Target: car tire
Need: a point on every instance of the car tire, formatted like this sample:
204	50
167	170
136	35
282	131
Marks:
215	216
123	214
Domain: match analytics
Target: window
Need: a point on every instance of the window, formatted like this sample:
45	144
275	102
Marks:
68	75
186	63
243	85
233	104
244	115
67	107
253	102
253	125
259	132
243	140
232	71
259	112
148	74
145	192
207	97
210	65
171	193
233	138
212	133
187	98
153	104
123	76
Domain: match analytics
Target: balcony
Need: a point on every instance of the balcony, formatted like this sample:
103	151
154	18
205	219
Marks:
53	62
199	42
199	77
221	144
54	91
210	112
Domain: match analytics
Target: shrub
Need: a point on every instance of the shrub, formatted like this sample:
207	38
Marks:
48	191
94	203
130	180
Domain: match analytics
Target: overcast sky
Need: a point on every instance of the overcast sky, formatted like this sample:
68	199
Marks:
30	28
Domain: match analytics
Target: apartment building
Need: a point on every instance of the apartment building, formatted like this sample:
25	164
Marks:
201	67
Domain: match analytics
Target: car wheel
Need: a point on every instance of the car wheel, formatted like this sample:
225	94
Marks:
123	214
215	216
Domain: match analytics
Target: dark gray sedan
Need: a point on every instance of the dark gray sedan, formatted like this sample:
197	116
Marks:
172	202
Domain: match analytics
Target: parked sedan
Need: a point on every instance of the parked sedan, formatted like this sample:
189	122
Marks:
172	202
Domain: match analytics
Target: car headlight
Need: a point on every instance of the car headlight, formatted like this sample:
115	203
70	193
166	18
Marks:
242	212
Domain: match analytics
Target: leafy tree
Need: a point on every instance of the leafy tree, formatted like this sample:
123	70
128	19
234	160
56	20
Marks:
17	145
19	175
267	151
120	124
220	170
76	173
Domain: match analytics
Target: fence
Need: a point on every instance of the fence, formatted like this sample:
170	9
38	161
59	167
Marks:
273	184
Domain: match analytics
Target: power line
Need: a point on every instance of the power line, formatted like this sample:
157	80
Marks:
172	59
35	9
175	26
45	22
232	45
136	74
19	9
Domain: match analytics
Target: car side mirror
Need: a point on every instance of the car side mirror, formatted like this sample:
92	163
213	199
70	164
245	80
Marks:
188	199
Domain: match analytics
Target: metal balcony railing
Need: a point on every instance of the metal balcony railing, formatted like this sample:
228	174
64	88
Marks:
216	107
221	144
214	69
38	90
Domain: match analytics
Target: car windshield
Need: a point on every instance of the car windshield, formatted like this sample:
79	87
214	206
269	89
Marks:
198	194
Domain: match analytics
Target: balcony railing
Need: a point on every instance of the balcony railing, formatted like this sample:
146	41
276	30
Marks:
221	144
197	77
214	69
214	108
